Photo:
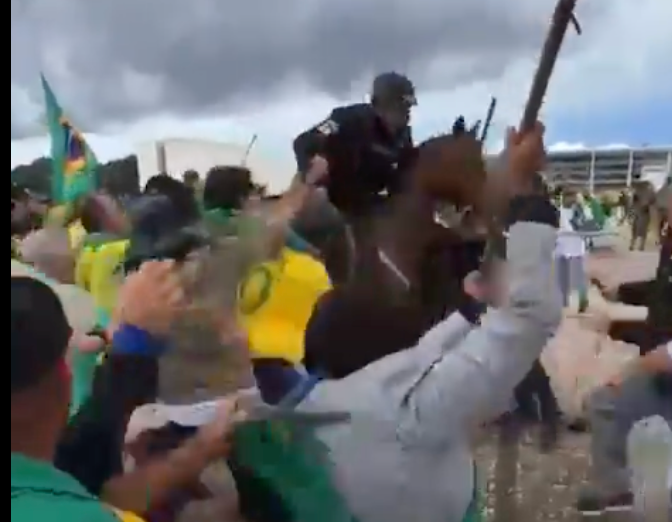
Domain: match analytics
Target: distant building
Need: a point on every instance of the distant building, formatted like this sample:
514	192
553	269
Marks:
601	169
177	156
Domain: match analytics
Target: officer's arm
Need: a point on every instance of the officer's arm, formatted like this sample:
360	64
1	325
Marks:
315	140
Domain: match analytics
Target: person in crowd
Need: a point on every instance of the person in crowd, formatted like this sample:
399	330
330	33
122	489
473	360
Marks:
181	196
364	146
227	191
570	254
44	445
644	390
226	194
643	201
192	179
623	206
50	252
22	220
412	411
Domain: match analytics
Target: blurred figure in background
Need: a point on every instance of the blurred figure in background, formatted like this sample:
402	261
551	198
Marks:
49	251
570	253
643	202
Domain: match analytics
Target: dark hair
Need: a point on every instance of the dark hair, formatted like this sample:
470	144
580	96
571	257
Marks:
35	351
181	196
227	187
89	216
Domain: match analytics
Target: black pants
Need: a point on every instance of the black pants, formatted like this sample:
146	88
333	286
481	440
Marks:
535	397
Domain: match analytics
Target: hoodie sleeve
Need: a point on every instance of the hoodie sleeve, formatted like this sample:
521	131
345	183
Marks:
90	448
445	335
461	387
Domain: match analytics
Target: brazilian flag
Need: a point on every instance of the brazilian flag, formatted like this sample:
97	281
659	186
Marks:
74	165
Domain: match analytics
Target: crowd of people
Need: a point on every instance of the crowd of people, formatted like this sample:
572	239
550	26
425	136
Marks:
356	433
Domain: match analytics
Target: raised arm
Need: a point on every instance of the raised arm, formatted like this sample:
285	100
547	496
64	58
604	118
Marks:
464	384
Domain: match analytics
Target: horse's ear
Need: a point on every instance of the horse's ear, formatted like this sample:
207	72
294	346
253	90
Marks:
460	126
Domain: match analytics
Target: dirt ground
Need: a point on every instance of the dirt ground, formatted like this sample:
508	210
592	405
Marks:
546	485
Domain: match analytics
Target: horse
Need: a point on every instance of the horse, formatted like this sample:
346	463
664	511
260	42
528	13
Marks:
408	269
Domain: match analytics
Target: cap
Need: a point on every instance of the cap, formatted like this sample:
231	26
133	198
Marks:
39	331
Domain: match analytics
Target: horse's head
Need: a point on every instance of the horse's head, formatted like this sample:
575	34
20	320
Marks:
450	167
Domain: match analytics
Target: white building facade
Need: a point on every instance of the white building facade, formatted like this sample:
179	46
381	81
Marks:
177	156
598	169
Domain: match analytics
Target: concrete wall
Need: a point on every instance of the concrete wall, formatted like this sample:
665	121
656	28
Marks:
176	156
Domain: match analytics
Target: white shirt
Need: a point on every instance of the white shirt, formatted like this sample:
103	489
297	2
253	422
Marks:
569	243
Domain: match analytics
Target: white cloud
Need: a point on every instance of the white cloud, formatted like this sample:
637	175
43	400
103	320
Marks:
618	62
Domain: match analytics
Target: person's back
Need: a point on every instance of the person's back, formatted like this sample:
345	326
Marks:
41	492
40	399
570	243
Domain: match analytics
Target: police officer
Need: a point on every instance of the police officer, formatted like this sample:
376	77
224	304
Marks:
365	146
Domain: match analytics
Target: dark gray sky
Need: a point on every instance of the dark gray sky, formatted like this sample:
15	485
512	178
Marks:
117	61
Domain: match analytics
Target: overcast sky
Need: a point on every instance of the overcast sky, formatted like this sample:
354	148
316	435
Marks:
130	71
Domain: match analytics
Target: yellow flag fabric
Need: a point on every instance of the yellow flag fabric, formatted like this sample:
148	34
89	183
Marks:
98	271
125	516
77	234
275	302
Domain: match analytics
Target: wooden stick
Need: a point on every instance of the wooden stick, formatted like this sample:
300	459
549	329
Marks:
488	119
508	443
562	18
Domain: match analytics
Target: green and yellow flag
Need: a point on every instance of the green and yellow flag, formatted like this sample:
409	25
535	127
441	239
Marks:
74	165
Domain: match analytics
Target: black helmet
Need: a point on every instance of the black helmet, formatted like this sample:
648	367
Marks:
392	88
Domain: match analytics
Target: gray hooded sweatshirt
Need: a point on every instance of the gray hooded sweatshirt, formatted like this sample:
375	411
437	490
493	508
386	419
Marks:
405	455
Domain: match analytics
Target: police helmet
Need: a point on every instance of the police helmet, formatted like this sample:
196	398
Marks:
392	88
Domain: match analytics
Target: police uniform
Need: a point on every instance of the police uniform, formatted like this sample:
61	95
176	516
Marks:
366	158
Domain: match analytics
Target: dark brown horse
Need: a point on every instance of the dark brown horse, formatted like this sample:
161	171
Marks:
408	269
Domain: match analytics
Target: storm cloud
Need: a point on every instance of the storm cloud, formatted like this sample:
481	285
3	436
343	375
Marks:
122	60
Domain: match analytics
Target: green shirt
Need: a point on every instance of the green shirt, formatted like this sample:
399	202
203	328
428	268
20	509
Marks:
83	367
40	492
233	223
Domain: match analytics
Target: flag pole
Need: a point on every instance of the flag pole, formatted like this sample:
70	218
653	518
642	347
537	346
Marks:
248	150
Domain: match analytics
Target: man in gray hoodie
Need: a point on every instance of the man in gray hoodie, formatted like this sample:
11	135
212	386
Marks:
406	453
